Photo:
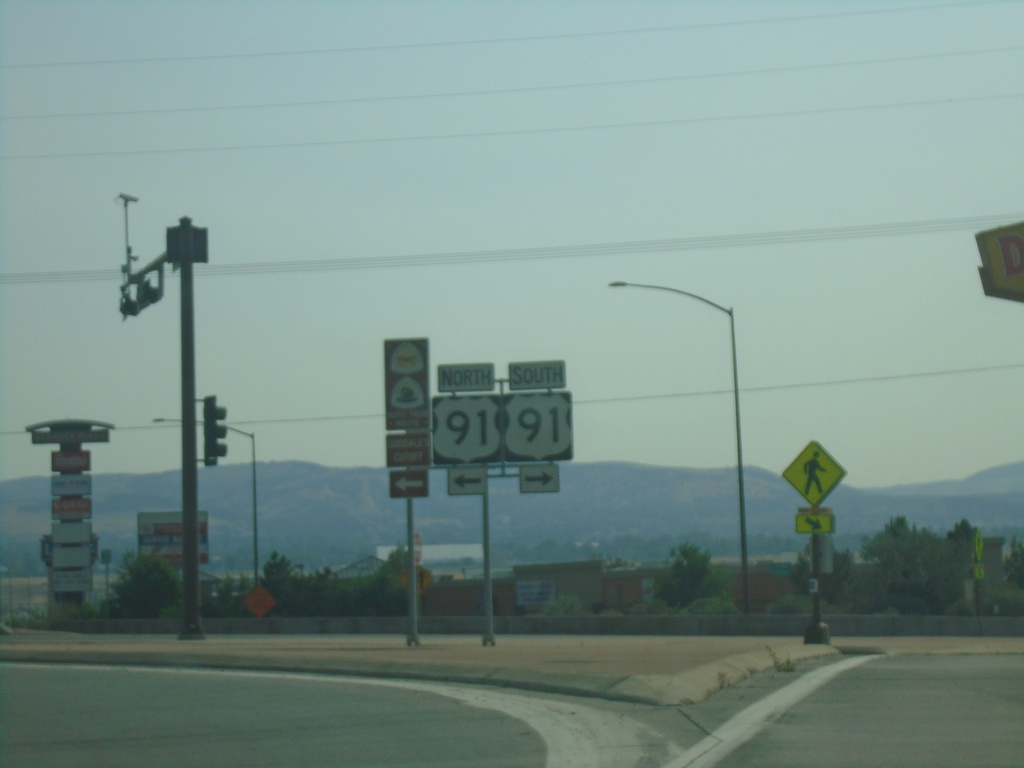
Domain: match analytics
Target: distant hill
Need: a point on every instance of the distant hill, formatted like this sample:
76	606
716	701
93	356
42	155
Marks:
330	515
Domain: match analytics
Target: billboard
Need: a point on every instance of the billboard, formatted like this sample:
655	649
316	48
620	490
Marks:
161	535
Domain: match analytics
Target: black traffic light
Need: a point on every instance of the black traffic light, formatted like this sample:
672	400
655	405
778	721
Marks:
213	431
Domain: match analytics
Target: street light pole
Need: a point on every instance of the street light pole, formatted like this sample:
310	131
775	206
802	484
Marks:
255	536
255	533
739	440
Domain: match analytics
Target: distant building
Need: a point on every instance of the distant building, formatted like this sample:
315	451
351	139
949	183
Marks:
596	585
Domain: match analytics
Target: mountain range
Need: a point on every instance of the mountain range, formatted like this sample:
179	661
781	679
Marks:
330	516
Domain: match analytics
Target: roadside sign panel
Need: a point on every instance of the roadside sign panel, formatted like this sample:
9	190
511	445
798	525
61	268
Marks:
535	592
259	601
467	481
70	461
815	520
71	437
408	484
70	485
472	377
539	478
406	384
539	427
64	507
467	430
411	449
72	533
161	535
74	580
544	374
814	473
72	555
1002	262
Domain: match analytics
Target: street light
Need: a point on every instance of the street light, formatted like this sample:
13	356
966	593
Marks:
739	440
255	535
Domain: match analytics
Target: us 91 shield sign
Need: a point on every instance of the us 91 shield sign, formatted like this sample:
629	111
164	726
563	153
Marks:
514	428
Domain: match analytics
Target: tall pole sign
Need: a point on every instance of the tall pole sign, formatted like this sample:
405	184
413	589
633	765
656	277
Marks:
71	546
814	474
186	245
407	409
520	435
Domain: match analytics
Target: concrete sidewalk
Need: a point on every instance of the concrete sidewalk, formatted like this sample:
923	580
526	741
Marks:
649	669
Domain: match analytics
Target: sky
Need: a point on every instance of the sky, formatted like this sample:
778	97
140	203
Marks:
477	173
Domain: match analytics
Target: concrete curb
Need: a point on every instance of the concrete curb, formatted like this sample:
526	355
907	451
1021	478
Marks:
684	685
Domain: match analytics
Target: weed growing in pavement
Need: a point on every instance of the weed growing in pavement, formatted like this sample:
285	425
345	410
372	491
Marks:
779	664
723	681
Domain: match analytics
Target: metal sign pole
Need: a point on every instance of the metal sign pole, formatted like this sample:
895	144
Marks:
414	636
488	587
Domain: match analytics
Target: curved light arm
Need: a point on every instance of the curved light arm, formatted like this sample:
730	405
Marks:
620	284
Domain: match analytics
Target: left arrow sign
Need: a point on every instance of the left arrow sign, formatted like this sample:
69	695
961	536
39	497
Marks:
409	484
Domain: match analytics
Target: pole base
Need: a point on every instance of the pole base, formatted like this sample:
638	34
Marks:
192	634
817	634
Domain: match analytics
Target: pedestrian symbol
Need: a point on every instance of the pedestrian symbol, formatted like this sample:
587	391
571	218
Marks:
814	473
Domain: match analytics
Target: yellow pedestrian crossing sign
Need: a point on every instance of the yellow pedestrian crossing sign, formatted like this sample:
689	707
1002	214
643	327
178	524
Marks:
814	473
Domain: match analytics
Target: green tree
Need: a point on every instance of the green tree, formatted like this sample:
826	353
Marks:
228	599
146	588
1014	563
914	570
691	576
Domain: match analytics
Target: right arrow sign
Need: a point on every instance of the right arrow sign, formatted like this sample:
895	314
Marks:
539	478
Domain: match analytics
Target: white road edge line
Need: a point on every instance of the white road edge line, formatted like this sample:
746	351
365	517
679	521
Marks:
744	726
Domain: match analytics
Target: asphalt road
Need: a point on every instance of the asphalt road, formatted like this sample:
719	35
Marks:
907	711
101	717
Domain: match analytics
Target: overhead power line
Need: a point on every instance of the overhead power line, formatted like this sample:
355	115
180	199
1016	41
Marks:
636	398
592	250
546	130
505	40
522	90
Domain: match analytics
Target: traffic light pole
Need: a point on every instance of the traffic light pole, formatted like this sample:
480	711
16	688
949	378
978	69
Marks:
191	625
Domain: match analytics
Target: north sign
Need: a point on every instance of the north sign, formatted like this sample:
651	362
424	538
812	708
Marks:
472	377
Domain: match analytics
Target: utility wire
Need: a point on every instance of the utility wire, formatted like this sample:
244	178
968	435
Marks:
634	398
549	130
507	40
522	90
591	250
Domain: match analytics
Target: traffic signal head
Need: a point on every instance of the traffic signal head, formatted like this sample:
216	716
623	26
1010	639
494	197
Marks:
213	431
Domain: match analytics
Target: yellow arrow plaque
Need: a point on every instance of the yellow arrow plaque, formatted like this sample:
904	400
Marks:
818	520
